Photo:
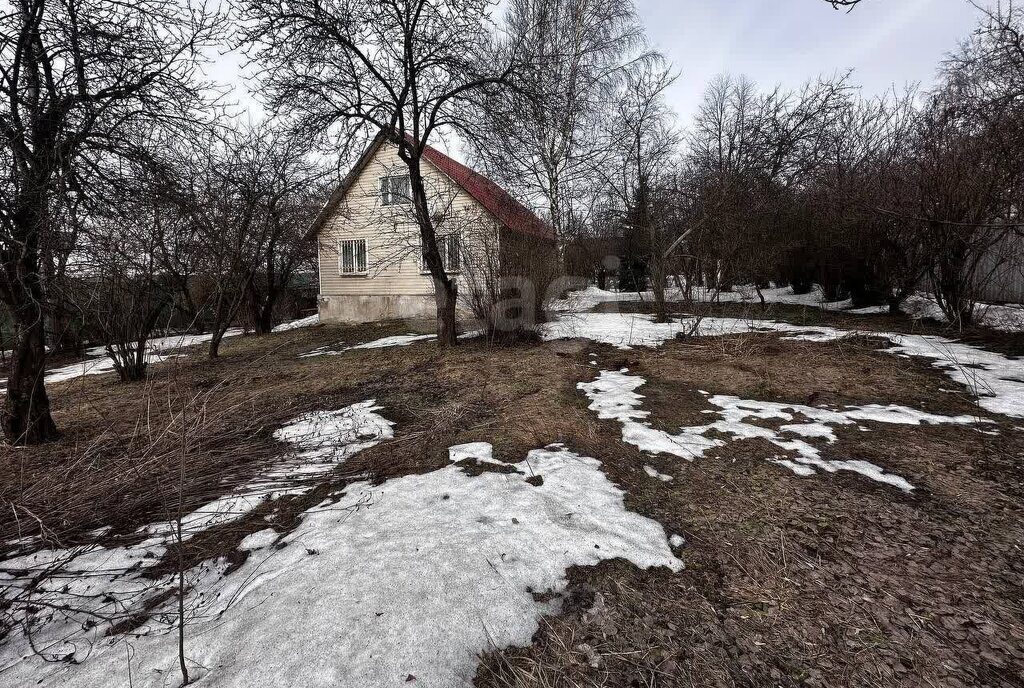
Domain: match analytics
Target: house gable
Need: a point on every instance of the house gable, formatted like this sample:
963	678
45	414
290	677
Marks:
388	235
505	209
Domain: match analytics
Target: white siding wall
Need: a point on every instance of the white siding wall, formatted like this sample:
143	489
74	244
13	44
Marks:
392	237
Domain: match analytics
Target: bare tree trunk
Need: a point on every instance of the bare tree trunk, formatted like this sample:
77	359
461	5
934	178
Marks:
658	287
261	309
224	313
215	340
445	290
217	331
894	305
26	418
264	322
445	296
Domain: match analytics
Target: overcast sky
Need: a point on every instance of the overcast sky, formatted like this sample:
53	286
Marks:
886	42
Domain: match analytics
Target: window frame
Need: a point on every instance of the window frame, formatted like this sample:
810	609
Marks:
341	258
444	249
387	198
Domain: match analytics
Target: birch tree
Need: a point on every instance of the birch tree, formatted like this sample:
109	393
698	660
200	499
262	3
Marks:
545	138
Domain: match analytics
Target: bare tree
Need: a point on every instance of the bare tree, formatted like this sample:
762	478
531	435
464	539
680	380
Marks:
115	286
290	189
544	138
751	154
969	162
966	179
76	76
220	197
646	140
355	68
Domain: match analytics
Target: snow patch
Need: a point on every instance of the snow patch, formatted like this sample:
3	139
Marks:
653	472
1005	317
78	594
482	452
382	343
296	324
322	440
158	350
996	379
415	577
258	540
613	395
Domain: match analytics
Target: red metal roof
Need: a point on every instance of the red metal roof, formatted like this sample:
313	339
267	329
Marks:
495	199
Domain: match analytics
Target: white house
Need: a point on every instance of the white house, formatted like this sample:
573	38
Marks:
370	258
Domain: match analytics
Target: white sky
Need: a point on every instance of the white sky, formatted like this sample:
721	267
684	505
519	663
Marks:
885	42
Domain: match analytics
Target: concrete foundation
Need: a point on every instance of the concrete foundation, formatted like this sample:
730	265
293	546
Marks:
358	308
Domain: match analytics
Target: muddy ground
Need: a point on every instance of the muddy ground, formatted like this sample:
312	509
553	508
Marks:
828	580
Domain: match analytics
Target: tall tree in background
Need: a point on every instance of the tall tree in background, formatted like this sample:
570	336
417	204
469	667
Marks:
81	81
543	138
355	68
118	293
750	154
290	191
645	143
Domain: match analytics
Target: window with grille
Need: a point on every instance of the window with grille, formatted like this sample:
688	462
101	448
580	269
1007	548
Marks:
450	248
395	190
352	256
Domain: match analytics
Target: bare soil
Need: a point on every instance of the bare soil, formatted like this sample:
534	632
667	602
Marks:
830	580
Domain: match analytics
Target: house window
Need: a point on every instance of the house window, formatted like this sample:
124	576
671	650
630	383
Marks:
395	190
352	256
450	248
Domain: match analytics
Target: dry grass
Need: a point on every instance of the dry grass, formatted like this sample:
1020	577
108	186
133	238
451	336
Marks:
825	581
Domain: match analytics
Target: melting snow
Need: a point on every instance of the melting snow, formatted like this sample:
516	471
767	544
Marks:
417	577
323	439
482	452
997	379
1009	317
98	363
382	343
653	472
613	395
102	586
157	351
296	324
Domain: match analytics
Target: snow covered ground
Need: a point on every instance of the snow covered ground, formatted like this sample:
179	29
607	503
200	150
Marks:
998	380
591	296
78	594
1007	318
158	349
408	581
377	586
309	321
338	348
613	396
